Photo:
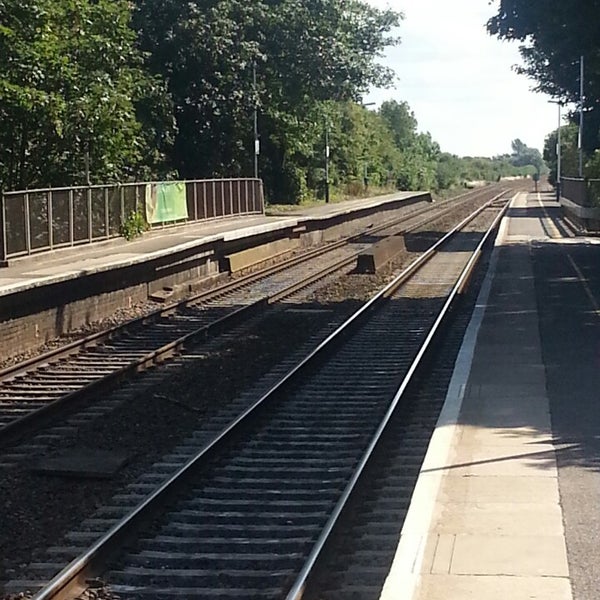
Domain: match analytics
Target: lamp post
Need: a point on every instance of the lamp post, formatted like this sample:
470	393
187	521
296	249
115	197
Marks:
366	165
326	161
256	138
327	151
558	147
580	137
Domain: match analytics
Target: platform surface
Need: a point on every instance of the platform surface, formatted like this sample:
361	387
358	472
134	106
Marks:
69	263
506	505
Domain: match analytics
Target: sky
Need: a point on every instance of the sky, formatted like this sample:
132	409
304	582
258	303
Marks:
459	81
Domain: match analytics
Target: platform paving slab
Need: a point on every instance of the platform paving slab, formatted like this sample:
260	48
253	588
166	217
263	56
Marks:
489	517
442	587
516	555
496	528
494	489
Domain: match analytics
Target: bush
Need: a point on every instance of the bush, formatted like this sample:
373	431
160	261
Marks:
134	225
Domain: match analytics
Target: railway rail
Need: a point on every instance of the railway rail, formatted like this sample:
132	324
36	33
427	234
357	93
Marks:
33	392
249	514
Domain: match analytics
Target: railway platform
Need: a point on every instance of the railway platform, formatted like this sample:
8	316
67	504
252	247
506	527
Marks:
506	501
45	295
69	263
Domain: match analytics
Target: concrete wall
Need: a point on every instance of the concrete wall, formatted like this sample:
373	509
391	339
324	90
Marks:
31	318
583	216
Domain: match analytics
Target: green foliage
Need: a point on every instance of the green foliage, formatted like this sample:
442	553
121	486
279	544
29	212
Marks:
134	225
592	167
306	52
554	34
523	155
164	88
401	122
69	80
378	150
569	157
463	171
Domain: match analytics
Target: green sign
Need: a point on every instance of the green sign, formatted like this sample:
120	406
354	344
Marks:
166	202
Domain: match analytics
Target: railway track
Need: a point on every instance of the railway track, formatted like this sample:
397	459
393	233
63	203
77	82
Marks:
249	513
33	392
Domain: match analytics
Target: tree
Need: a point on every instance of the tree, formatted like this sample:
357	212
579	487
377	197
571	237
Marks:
69	79
448	171
554	35
569	153
523	155
401	121
307	52
204	51
417	167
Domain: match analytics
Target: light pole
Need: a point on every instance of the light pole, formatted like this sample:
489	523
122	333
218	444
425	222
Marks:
256	138
580	137
366	166
558	146
326	161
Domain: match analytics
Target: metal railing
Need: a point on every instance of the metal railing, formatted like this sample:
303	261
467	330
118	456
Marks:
38	220
574	189
583	192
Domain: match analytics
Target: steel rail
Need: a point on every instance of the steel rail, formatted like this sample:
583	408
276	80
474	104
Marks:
105	335
102	336
90	564
15	430
297	589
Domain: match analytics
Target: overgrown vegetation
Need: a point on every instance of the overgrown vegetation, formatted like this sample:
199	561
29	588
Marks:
134	225
159	89
554	35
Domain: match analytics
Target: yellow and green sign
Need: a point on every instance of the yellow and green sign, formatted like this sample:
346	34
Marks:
166	202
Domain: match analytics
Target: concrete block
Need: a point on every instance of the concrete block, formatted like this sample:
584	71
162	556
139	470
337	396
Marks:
380	254
82	463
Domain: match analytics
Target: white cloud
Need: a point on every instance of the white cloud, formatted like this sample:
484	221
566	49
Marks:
459	81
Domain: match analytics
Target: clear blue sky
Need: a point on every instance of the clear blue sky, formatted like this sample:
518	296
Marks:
460	82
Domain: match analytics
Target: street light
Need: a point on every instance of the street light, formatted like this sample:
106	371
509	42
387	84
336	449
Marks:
366	171
326	161
256	138
558	171
580	136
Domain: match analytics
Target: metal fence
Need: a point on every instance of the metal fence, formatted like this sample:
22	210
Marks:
574	189
44	219
583	192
